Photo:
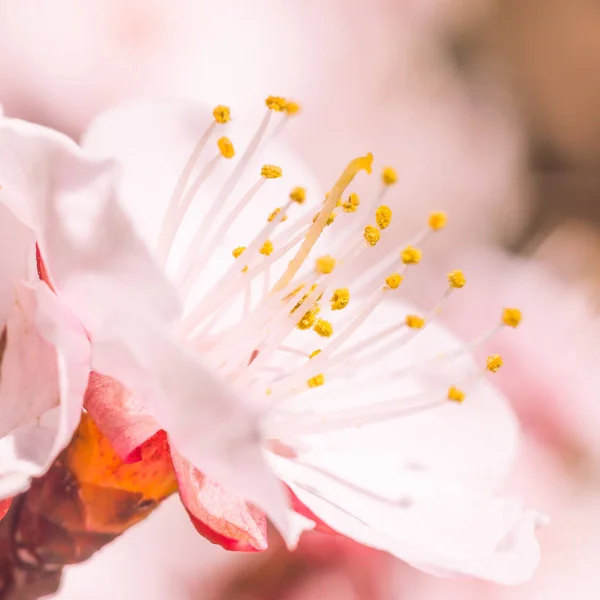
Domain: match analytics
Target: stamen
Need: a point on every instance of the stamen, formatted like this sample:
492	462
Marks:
314	353
350	172
455	394
309	319
351	205
511	317
292	108
222	114
323	328
316	381
237	252
457	279
394	280
267	248
276	103
437	220
271	172
372	235
340	299
298	194
383	216
493	363
226	147
415	321
411	255
389	176
325	264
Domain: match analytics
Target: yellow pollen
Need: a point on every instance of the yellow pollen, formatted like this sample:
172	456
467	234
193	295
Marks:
329	221
267	248
238	251
411	255
314	353
308	320
351	205
298	194
389	176
271	172
511	317
456	279
325	264
340	299
323	328
221	113
493	363
372	234
394	280
274	214
316	381
276	103
415	321
455	394
292	108
383	216
437	220
226	147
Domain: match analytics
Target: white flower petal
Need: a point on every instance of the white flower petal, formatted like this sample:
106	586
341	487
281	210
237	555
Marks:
474	442
43	377
93	256
437	527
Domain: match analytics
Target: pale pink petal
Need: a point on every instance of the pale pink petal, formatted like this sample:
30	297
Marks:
431	524
220	517
473	443
45	366
120	415
93	256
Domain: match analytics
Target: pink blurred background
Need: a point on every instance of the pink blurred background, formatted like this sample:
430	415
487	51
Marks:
489	109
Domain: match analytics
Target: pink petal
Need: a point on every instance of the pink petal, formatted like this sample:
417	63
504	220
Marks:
4	506
221	518
121	417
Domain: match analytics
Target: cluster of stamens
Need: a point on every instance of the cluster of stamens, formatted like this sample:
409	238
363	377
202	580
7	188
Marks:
309	286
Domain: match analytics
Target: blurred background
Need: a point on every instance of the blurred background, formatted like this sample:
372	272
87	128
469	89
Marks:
489	109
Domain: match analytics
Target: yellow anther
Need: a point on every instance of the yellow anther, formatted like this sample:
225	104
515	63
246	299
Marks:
455	394
389	176
340	299
314	353
456	279
493	363
323	328
394	280
226	147
325	264
511	317
301	301
411	255
222	114
274	214
383	216
238	251
329	221
276	103
298	194
271	172
292	108
316	381
308	320
372	234
267	248
415	321
437	220
351	205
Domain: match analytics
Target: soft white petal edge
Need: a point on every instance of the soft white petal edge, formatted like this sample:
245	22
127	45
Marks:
439	528
53	364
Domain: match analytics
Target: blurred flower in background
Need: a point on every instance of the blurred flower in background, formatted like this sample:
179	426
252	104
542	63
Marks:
487	110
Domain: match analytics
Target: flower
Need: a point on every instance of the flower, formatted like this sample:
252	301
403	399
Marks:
44	350
390	435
